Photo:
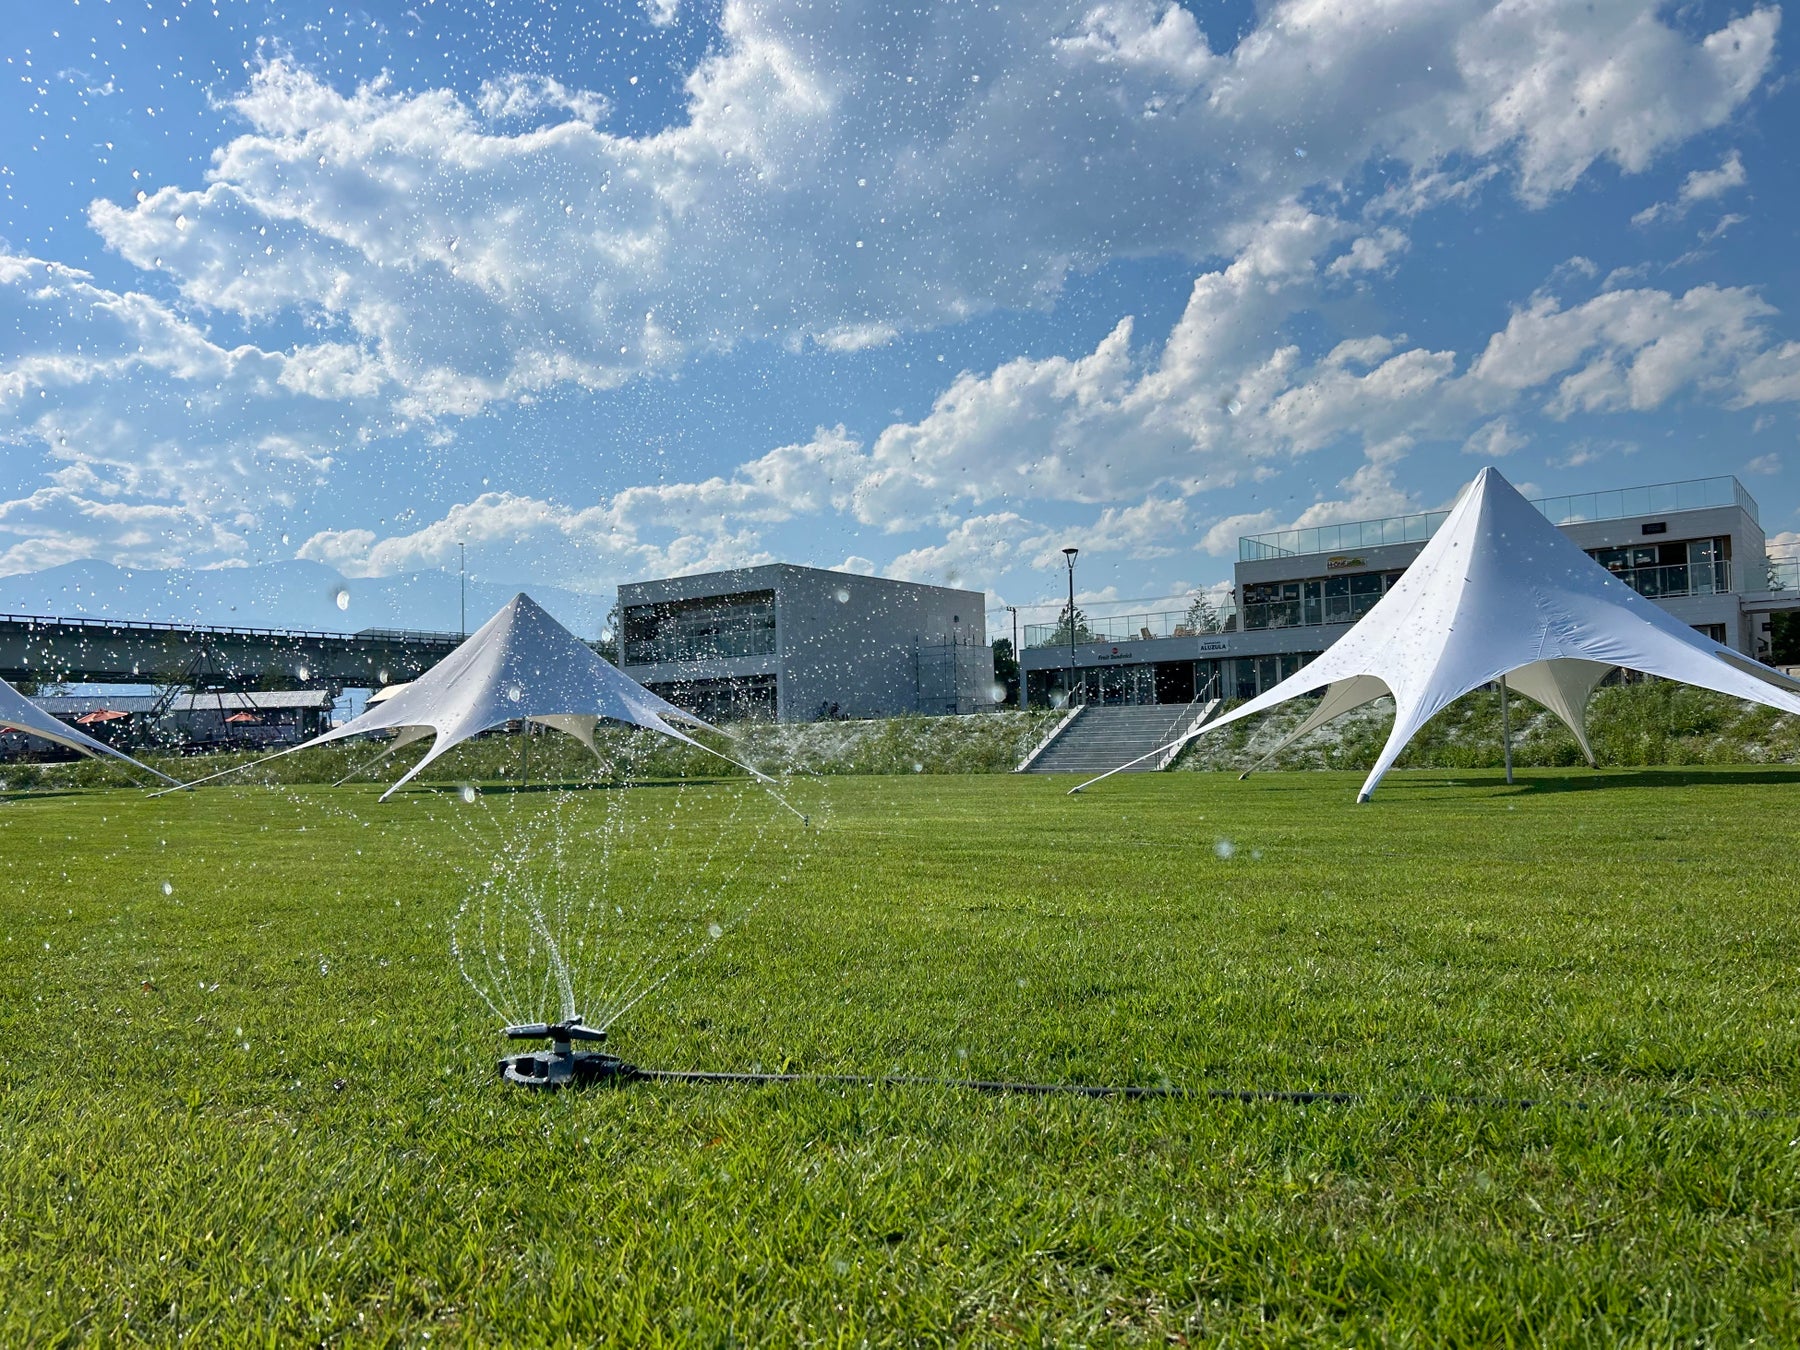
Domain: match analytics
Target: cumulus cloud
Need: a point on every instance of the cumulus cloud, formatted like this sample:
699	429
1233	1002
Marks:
1699	186
852	180
155	438
842	182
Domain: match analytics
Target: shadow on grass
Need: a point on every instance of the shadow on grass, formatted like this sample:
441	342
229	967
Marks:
39	794
1681	776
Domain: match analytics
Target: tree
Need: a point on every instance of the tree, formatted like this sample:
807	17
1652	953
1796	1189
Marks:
1201	616
1060	636
1006	670
612	641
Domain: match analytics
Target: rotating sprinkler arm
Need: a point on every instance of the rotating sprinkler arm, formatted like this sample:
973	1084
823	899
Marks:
562	1063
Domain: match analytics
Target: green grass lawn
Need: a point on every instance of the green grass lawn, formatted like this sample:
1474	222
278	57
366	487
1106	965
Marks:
262	1106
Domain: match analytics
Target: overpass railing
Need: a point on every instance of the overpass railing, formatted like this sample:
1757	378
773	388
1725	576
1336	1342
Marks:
220	630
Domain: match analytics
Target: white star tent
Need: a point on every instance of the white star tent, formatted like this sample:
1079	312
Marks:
19	713
521	664
1500	594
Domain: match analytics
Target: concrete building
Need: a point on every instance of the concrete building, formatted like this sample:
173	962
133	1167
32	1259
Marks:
1697	548
798	644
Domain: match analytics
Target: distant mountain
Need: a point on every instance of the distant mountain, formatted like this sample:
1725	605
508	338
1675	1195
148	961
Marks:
294	594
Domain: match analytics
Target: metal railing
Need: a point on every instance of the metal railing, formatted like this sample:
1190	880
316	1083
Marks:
1315	611
149	626
1691	494
1132	628
1783	572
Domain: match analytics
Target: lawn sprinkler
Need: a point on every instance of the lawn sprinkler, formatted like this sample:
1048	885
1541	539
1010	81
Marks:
561	1065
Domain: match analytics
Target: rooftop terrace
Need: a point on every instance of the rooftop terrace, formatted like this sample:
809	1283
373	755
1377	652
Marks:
1690	494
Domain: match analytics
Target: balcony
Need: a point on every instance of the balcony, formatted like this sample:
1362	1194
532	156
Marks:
1669	583
1691	494
1314	609
699	647
1174	623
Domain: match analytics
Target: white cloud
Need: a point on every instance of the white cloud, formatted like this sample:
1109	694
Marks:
130	405
516	96
1699	186
1495	439
845	184
1764	464
850	181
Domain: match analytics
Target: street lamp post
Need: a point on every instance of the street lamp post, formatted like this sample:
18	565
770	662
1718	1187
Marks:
1069	556
462	573
1018	670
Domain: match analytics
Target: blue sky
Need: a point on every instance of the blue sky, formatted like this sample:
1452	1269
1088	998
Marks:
611	291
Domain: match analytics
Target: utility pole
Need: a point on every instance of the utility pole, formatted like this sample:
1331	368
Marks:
1069	556
462	572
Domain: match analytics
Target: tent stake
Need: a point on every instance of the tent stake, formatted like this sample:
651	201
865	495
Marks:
1506	729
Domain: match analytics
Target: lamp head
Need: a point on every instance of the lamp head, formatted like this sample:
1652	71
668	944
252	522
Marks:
1070	553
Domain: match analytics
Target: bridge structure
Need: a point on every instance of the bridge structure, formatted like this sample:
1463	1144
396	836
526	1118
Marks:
50	650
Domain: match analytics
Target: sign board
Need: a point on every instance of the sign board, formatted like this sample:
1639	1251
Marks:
1336	564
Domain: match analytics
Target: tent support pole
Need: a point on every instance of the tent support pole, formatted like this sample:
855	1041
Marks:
1506	729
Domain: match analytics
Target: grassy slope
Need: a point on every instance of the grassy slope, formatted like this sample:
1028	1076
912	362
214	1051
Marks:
1627	939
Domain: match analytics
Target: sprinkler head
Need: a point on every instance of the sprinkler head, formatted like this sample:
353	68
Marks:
562	1064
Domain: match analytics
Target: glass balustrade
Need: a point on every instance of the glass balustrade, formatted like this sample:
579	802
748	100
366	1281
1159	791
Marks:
1618	504
1312	610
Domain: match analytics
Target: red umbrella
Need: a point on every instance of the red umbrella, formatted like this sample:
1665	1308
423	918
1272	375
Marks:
243	717
100	715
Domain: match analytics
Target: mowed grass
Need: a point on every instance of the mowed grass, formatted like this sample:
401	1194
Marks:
1620	945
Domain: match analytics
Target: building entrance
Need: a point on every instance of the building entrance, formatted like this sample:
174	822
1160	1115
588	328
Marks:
1175	682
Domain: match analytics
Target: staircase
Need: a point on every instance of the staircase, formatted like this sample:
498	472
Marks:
1096	739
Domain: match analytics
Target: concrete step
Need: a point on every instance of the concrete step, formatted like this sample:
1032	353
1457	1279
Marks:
1104	738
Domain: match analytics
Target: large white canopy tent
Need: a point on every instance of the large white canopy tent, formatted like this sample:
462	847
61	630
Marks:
520	664
18	713
1500	594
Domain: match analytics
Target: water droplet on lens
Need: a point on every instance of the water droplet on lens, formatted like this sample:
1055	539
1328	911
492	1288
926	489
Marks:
843	595
1224	848
342	598
713	930
181	222
514	693
168	888
467	792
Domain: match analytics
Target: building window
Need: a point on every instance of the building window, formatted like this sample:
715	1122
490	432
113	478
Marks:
1663	571
708	629
718	701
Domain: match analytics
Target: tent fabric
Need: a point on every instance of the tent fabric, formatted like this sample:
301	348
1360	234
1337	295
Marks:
520	665
1500	592
18	713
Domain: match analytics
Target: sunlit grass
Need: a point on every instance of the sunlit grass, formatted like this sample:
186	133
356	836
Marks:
263	1105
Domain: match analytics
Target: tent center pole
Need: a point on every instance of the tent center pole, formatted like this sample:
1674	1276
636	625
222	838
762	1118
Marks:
1506	729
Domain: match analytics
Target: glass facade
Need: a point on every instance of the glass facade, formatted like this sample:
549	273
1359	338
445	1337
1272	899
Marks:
1663	571
718	701
706	629
1234	678
1317	600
